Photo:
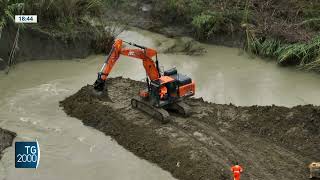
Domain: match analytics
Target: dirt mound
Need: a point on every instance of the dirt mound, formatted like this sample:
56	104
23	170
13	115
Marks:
6	138
271	142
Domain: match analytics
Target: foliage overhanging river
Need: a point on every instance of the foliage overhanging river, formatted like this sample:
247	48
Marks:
30	95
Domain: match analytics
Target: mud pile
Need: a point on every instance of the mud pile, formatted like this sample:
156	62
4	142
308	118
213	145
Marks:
271	142
6	138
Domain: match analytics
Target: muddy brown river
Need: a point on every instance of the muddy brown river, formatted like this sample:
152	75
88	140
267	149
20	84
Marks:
30	95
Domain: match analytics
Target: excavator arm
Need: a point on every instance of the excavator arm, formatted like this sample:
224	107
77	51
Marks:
142	53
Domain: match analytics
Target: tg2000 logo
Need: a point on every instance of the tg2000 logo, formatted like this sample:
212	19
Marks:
27	154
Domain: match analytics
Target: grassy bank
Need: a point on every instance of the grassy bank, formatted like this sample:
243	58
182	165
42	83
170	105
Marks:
305	55
286	30
287	20
59	18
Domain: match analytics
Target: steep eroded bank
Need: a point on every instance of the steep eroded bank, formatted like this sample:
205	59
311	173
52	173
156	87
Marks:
37	43
270	141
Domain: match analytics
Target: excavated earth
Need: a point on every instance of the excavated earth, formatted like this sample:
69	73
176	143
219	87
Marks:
271	142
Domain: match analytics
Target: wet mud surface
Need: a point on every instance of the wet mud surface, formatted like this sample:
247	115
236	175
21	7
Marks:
6	139
271	142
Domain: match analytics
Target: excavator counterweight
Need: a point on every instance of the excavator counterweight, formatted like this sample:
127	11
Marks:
163	92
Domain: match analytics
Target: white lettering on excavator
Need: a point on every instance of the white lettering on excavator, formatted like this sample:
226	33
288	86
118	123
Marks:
131	53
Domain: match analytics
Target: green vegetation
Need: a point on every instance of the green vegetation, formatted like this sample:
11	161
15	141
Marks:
63	18
184	9
7	11
55	16
305	55
207	24
64	14
61	15
114	3
207	18
286	30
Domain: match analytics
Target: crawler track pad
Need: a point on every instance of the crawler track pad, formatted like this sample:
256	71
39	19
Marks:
158	113
181	107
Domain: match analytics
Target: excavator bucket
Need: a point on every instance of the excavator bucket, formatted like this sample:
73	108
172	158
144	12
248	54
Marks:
98	87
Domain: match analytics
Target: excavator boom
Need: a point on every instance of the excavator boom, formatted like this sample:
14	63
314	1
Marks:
143	53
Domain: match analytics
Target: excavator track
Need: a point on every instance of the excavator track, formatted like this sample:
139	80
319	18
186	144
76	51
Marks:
158	113
181	107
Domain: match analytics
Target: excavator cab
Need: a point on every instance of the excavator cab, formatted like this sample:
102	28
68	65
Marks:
158	93
166	93
170	87
183	85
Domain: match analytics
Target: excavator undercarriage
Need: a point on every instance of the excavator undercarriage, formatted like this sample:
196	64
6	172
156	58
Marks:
160	113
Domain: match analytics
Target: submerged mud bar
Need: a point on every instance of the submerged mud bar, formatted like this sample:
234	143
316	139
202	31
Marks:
164	90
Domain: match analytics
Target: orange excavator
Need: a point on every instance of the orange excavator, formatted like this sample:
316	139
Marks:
164	91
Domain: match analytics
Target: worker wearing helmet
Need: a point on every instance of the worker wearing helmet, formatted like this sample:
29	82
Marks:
237	170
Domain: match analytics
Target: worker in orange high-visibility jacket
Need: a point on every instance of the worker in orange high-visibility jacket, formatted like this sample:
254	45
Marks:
237	170
163	92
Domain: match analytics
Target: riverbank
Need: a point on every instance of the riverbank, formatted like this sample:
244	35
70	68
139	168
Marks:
6	139
38	43
286	31
269	141
63	31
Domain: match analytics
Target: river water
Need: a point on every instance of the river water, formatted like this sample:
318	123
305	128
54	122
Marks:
30	95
